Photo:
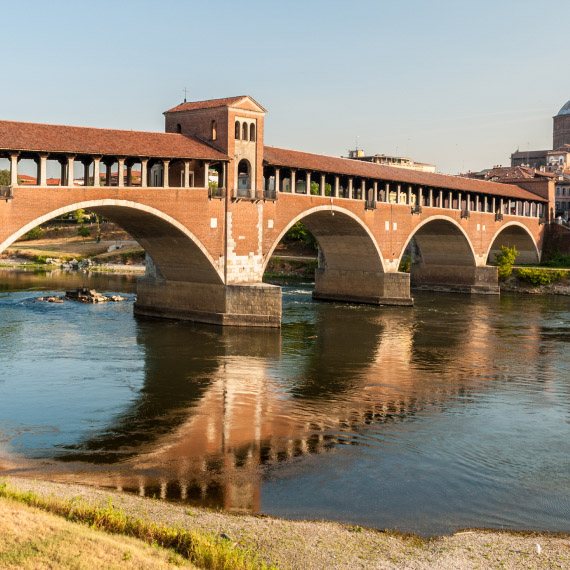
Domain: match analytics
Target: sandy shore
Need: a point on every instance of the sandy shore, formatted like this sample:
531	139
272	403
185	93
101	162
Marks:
325	545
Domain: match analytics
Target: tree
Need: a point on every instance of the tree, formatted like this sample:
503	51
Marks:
505	260
5	178
299	233
79	216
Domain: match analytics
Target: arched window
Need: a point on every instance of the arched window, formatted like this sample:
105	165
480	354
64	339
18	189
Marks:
244	132
238	130
214	130
178	128
244	176
252	132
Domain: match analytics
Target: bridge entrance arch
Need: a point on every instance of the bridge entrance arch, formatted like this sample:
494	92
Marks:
182	280
175	253
517	235
442	257
350	264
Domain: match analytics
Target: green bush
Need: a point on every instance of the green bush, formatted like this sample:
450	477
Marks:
83	231
405	264
36	233
505	260
536	276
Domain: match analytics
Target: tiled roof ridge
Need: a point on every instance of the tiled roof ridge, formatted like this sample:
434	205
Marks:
405	175
107	129
45	137
391	167
197	104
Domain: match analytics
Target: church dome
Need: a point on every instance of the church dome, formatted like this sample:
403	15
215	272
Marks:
565	110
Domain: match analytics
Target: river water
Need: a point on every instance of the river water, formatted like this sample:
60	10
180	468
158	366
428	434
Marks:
454	413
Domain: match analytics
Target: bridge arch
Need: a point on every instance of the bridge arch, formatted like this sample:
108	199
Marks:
346	243
441	241
443	258
518	235
178	255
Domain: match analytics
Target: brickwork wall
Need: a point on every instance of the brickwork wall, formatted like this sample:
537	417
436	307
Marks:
561	131
391	225
255	228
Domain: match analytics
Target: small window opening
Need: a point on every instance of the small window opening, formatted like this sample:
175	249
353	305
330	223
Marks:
238	130
252	132
214	131
244	132
178	128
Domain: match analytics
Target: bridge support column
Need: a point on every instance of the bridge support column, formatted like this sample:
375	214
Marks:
242	305
14	169
367	287
455	278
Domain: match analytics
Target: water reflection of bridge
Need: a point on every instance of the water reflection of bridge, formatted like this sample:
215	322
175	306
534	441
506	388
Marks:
217	406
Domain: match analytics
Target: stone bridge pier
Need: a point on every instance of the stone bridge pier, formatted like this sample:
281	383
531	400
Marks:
255	305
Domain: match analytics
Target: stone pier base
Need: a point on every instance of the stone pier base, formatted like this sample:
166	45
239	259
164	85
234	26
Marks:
372	288
244	305
455	278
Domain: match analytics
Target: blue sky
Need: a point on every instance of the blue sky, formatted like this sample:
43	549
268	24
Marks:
458	83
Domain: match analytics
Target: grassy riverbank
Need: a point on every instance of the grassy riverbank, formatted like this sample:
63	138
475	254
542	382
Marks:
255	542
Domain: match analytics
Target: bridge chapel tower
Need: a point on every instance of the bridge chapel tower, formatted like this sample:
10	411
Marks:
234	126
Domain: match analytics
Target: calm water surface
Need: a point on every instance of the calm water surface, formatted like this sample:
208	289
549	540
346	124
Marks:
451	414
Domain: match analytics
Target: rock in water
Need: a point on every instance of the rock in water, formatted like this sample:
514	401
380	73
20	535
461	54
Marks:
51	299
84	295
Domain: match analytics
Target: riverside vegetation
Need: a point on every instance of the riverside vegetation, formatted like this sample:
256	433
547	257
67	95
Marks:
202	549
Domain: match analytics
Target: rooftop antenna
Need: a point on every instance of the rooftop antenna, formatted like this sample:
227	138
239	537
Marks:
185	94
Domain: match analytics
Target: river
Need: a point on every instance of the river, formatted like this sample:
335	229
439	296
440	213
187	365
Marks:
454	413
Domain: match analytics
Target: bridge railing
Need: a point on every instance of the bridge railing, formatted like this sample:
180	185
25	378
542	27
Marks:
6	193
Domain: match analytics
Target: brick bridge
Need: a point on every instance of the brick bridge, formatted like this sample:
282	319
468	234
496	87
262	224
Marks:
209	202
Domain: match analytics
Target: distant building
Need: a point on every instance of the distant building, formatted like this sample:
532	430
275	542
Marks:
530	158
510	174
562	197
561	129
556	161
387	160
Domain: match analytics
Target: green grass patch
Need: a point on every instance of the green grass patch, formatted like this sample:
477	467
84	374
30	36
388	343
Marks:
203	549
557	260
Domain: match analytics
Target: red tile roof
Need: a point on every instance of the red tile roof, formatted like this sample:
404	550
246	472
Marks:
208	104
316	162
39	137
500	173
